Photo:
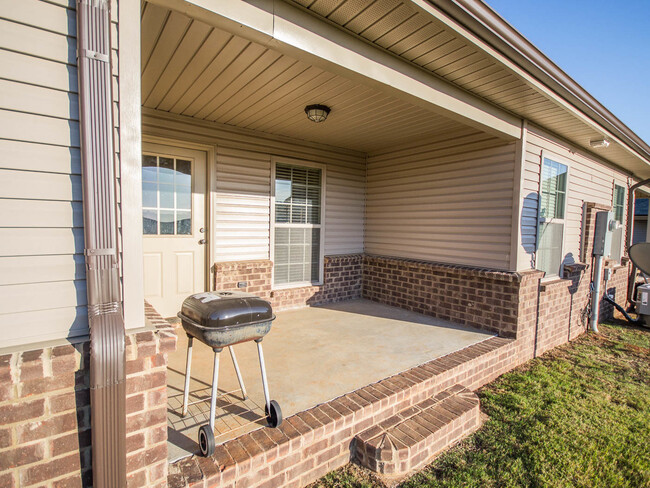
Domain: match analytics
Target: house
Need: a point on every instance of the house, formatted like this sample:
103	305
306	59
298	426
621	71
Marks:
457	176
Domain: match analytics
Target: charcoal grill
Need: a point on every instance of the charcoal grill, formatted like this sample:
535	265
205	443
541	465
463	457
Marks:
222	319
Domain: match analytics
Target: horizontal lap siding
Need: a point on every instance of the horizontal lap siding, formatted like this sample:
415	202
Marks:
448	200
590	180
42	276
242	206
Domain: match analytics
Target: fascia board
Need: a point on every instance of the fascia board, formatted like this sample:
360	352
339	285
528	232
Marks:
540	87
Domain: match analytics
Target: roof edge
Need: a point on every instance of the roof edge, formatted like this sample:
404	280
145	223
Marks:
481	19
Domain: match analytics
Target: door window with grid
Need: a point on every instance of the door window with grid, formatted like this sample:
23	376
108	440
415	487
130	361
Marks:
297	226
166	196
552	204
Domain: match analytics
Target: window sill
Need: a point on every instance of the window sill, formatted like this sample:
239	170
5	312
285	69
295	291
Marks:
290	286
552	281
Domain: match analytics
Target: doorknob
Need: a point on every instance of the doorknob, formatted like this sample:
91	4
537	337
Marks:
202	241
201	230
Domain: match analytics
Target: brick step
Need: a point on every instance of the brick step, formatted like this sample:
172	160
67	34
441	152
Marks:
411	438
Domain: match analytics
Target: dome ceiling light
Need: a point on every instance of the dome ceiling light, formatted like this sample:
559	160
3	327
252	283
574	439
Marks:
317	113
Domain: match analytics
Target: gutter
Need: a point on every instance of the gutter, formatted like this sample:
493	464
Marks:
107	337
494	30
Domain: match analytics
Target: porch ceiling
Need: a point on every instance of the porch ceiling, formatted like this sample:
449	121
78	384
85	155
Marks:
190	68
407	30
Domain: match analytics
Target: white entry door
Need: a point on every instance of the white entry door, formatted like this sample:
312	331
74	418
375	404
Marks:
174	230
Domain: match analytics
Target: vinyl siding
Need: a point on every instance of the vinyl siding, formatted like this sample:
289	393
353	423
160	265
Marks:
447	200
591	180
42	277
242	206
243	184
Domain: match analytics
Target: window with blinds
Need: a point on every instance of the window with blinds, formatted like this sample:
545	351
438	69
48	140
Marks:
552	205
297	225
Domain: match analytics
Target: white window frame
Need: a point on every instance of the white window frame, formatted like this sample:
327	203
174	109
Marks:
623	217
321	265
556	159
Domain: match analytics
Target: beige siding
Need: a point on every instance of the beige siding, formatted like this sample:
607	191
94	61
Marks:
42	278
243	180
242	206
590	180
243	185
449	200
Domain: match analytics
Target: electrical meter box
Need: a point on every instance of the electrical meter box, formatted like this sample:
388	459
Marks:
643	301
605	227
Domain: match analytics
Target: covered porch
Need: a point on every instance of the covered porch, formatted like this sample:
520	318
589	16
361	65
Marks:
313	355
320	219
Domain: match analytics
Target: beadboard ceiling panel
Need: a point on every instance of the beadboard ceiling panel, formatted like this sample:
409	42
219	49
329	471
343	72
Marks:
403	29
192	69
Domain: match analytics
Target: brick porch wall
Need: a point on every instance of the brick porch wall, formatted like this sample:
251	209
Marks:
45	413
342	281
481	298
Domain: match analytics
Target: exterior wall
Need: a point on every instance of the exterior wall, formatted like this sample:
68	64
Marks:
45	412
590	180
243	184
342	282
471	296
448	200
243	206
41	223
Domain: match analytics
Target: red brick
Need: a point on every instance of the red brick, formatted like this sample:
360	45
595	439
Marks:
21	411
21	456
156	453
146	419
134	403
48	384
134	442
69	482
5	438
7	480
50	470
70	443
46	428
137	479
63	402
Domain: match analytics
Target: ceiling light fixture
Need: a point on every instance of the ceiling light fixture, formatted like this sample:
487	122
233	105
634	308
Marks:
599	143
317	113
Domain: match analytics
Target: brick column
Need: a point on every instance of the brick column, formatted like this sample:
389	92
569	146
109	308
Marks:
45	412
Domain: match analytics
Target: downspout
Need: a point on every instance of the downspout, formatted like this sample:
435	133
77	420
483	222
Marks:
107	338
629	234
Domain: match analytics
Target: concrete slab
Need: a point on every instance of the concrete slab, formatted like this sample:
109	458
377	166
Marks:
312	355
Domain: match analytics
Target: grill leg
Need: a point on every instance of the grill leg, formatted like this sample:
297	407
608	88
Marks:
188	368
265	384
215	384
239	377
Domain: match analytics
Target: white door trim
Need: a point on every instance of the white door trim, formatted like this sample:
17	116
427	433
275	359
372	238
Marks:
210	186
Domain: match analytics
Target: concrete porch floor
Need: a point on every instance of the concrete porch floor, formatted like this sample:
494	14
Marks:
312	355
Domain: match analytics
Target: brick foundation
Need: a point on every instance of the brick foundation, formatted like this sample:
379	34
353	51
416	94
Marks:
342	281
472	296
311	443
45	432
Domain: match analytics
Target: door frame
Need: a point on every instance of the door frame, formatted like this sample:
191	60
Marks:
210	170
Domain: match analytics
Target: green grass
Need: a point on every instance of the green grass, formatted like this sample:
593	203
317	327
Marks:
578	416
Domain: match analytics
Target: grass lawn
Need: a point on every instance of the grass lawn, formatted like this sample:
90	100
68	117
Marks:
579	416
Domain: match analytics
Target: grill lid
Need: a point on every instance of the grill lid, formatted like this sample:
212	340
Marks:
226	308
